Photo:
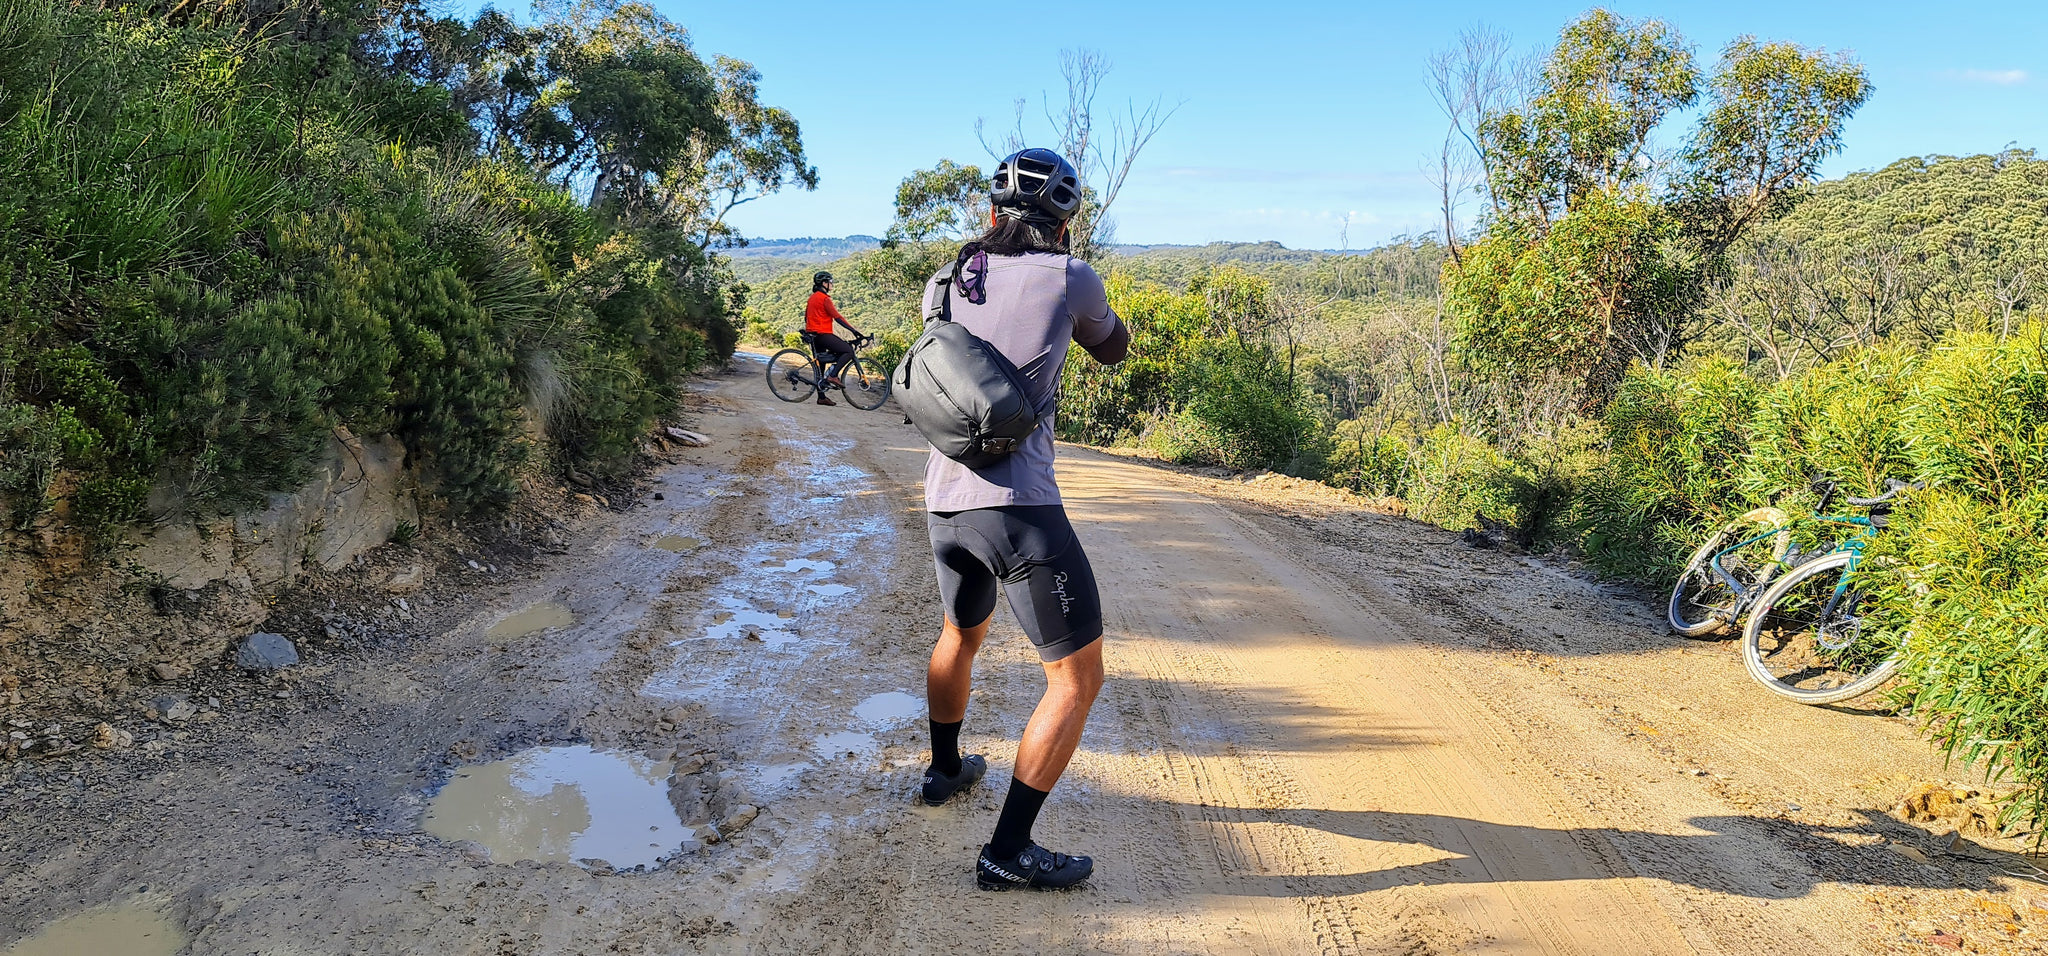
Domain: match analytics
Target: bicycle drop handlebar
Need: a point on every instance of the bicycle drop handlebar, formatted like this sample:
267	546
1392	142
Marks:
1892	487
1827	489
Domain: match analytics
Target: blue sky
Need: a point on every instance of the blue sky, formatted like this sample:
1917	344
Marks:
1294	114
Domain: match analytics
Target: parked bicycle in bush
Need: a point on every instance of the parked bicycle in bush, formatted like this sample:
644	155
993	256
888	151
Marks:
798	373
1792	584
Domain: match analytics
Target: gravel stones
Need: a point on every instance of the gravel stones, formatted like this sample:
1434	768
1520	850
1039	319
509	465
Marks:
265	652
172	709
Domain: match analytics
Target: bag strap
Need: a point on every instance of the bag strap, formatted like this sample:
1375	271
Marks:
941	309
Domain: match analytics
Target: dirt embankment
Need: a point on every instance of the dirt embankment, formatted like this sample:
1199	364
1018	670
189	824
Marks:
1327	730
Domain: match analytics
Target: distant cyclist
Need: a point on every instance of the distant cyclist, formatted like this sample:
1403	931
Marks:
819	314
1004	525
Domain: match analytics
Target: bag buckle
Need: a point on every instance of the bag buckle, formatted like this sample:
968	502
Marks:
998	446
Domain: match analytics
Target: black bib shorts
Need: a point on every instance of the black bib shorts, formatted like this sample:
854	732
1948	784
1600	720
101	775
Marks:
1031	550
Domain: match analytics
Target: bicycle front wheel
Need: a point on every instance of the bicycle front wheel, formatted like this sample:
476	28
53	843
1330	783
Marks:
865	389
1807	641
790	375
1702	603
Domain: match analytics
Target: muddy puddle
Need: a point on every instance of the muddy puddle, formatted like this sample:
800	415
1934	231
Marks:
893	707
539	617
677	543
738	619
798	565
846	743
109	931
562	804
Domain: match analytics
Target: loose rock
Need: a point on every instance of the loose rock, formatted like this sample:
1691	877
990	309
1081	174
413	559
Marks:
738	819
408	579
264	652
172	709
107	737
168	672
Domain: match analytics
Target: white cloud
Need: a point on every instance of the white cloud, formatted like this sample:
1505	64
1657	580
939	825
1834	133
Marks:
1997	77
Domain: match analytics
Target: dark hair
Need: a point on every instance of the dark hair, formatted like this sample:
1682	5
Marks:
1010	236
1016	236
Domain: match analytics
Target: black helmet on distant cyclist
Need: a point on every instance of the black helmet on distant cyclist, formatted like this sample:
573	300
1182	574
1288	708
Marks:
1036	181
817	277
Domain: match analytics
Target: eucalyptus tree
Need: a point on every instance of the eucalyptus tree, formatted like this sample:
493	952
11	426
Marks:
1602	246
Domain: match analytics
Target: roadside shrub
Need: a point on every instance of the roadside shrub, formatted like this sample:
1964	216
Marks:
1460	481
1964	571
1367	461
1556	469
1840	421
1676	447
217	244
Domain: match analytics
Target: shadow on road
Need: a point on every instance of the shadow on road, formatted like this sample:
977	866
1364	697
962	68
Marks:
1723	859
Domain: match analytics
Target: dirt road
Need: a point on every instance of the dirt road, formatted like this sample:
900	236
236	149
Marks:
1325	731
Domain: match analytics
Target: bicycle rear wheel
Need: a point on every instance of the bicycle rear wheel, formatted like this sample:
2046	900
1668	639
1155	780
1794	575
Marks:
1806	638
1702	604
790	375
865	389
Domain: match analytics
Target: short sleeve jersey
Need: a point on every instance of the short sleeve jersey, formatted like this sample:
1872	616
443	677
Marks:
1037	305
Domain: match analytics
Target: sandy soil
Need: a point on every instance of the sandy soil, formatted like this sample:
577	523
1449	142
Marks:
1326	730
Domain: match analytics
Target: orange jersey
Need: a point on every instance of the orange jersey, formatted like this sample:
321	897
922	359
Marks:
820	313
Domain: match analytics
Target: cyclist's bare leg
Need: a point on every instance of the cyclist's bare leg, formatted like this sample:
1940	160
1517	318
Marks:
951	676
1071	684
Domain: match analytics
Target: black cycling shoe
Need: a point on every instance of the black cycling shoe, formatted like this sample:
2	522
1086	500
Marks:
1036	868
939	787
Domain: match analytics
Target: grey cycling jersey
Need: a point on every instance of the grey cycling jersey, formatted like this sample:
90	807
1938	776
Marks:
1037	304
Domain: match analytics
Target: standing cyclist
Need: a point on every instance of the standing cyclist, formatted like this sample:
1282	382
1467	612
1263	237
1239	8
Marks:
1017	289
819	314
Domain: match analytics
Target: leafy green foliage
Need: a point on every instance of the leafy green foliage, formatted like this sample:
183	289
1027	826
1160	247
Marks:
1570	299
217	244
1599	253
1906	253
1607	84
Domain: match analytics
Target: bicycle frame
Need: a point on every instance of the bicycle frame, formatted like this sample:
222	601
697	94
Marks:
1853	544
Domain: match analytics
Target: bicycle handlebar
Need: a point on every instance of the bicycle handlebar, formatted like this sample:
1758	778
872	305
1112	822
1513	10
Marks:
1892	487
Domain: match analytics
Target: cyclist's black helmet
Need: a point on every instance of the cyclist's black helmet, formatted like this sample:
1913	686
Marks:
818	277
1037	180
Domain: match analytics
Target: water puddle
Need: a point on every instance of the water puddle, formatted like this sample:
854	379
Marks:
892	707
771	778
739	621
677	543
845	743
539	617
829	589
800	564
562	804
109	931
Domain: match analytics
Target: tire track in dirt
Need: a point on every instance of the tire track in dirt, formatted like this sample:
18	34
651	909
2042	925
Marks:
1307	745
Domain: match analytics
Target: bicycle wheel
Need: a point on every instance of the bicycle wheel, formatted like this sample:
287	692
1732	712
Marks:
1806	640
790	375
865	390
1702	604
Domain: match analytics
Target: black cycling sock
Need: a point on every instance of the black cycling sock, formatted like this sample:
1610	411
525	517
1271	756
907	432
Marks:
1013	828
946	747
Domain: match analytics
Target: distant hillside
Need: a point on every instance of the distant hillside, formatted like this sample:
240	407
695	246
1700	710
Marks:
1242	252
763	259
824	250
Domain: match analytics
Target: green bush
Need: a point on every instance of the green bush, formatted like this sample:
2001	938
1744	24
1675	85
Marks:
1367	461
1459	480
1676	445
218	244
1964	571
